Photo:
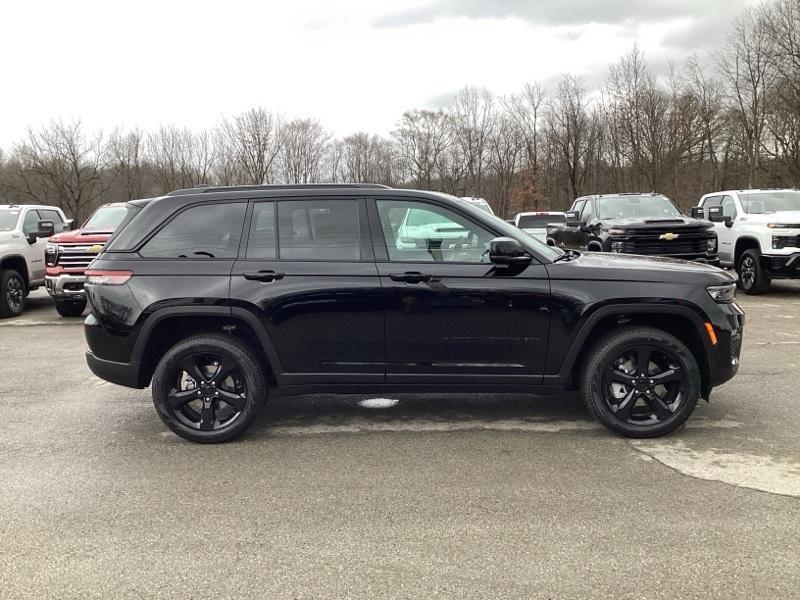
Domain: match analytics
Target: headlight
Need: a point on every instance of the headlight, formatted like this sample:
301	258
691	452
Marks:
722	294
614	231
783	225
711	244
51	254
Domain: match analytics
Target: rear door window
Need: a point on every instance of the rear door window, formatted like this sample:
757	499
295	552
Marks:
319	230
207	231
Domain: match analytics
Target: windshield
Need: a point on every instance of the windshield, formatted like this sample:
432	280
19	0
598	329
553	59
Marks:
8	219
539	221
637	207
769	202
549	252
107	217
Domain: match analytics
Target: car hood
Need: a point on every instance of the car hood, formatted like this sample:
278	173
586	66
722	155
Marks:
78	236
786	217
630	267
668	223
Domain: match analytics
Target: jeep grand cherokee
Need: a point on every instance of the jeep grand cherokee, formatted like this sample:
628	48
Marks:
214	296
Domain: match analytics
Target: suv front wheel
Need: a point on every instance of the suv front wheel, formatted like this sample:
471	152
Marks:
641	382
209	388
752	278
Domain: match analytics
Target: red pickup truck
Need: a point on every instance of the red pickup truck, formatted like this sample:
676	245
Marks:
69	253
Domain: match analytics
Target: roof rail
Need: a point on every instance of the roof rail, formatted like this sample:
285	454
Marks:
205	188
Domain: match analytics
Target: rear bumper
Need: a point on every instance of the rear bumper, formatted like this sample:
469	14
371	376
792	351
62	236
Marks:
784	266
126	374
65	286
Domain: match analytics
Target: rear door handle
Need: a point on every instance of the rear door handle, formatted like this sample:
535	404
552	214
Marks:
264	276
411	277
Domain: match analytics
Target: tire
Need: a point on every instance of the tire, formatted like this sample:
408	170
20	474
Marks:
239	376
12	293
652	413
751	276
70	308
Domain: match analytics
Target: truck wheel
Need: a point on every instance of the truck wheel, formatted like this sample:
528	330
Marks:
209	388
752	278
12	293
640	382
70	308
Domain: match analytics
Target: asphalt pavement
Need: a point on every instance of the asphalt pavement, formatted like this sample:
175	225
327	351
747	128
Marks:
409	496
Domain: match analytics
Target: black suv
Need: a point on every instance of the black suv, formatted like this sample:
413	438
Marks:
212	296
635	224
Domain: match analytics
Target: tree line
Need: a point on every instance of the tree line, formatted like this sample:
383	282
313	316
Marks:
730	122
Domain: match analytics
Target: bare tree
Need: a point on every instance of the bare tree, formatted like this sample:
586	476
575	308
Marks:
251	141
423	137
60	164
303	146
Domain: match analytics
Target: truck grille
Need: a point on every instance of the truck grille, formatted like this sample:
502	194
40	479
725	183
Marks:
651	243
76	255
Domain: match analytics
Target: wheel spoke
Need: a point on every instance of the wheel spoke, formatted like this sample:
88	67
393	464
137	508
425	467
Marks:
667	376
238	401
224	369
207	416
658	406
191	367
614	375
643	360
625	405
178	398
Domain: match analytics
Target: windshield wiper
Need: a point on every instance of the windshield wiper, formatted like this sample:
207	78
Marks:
568	255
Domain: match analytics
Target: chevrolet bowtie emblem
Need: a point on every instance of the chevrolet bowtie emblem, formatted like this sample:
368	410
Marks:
669	236
98	247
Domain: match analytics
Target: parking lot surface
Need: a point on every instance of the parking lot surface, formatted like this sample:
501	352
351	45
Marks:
458	496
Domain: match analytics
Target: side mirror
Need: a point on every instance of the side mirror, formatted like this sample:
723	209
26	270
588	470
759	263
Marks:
45	229
69	224
728	221
572	217
697	212
715	214
508	251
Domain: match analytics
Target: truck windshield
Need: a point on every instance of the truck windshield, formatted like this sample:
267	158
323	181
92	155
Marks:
106	217
770	202
8	219
539	221
637	207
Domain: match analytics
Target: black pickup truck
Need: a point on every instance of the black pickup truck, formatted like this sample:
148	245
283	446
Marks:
635	224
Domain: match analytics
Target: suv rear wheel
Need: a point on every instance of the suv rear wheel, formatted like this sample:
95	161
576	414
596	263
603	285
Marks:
752	278
209	388
12	293
70	308
641	382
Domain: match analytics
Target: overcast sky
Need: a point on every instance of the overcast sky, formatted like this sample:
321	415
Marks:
353	64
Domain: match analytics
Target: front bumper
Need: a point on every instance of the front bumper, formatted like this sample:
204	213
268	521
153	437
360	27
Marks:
781	266
65	285
723	358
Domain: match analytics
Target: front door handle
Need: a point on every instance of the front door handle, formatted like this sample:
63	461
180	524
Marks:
411	277
264	276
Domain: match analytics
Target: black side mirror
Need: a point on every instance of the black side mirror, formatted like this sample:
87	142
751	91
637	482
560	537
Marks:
728	221
697	212
572	217
715	214
508	251
45	229
69	224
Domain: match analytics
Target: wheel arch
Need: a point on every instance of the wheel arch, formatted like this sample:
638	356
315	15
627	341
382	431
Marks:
743	243
681	321
168	326
17	262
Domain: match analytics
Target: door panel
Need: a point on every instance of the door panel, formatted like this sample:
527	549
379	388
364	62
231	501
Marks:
450	314
323	312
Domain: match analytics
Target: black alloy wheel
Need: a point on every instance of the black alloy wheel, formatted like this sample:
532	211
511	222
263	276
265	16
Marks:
752	278
644	385
640	381
209	388
12	293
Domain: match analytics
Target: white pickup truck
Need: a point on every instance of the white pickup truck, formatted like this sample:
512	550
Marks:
24	230
758	232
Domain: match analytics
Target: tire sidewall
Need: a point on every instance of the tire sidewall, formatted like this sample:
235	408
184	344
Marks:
760	281
248	367
608	351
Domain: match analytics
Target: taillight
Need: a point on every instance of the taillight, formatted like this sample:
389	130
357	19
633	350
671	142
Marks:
99	277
